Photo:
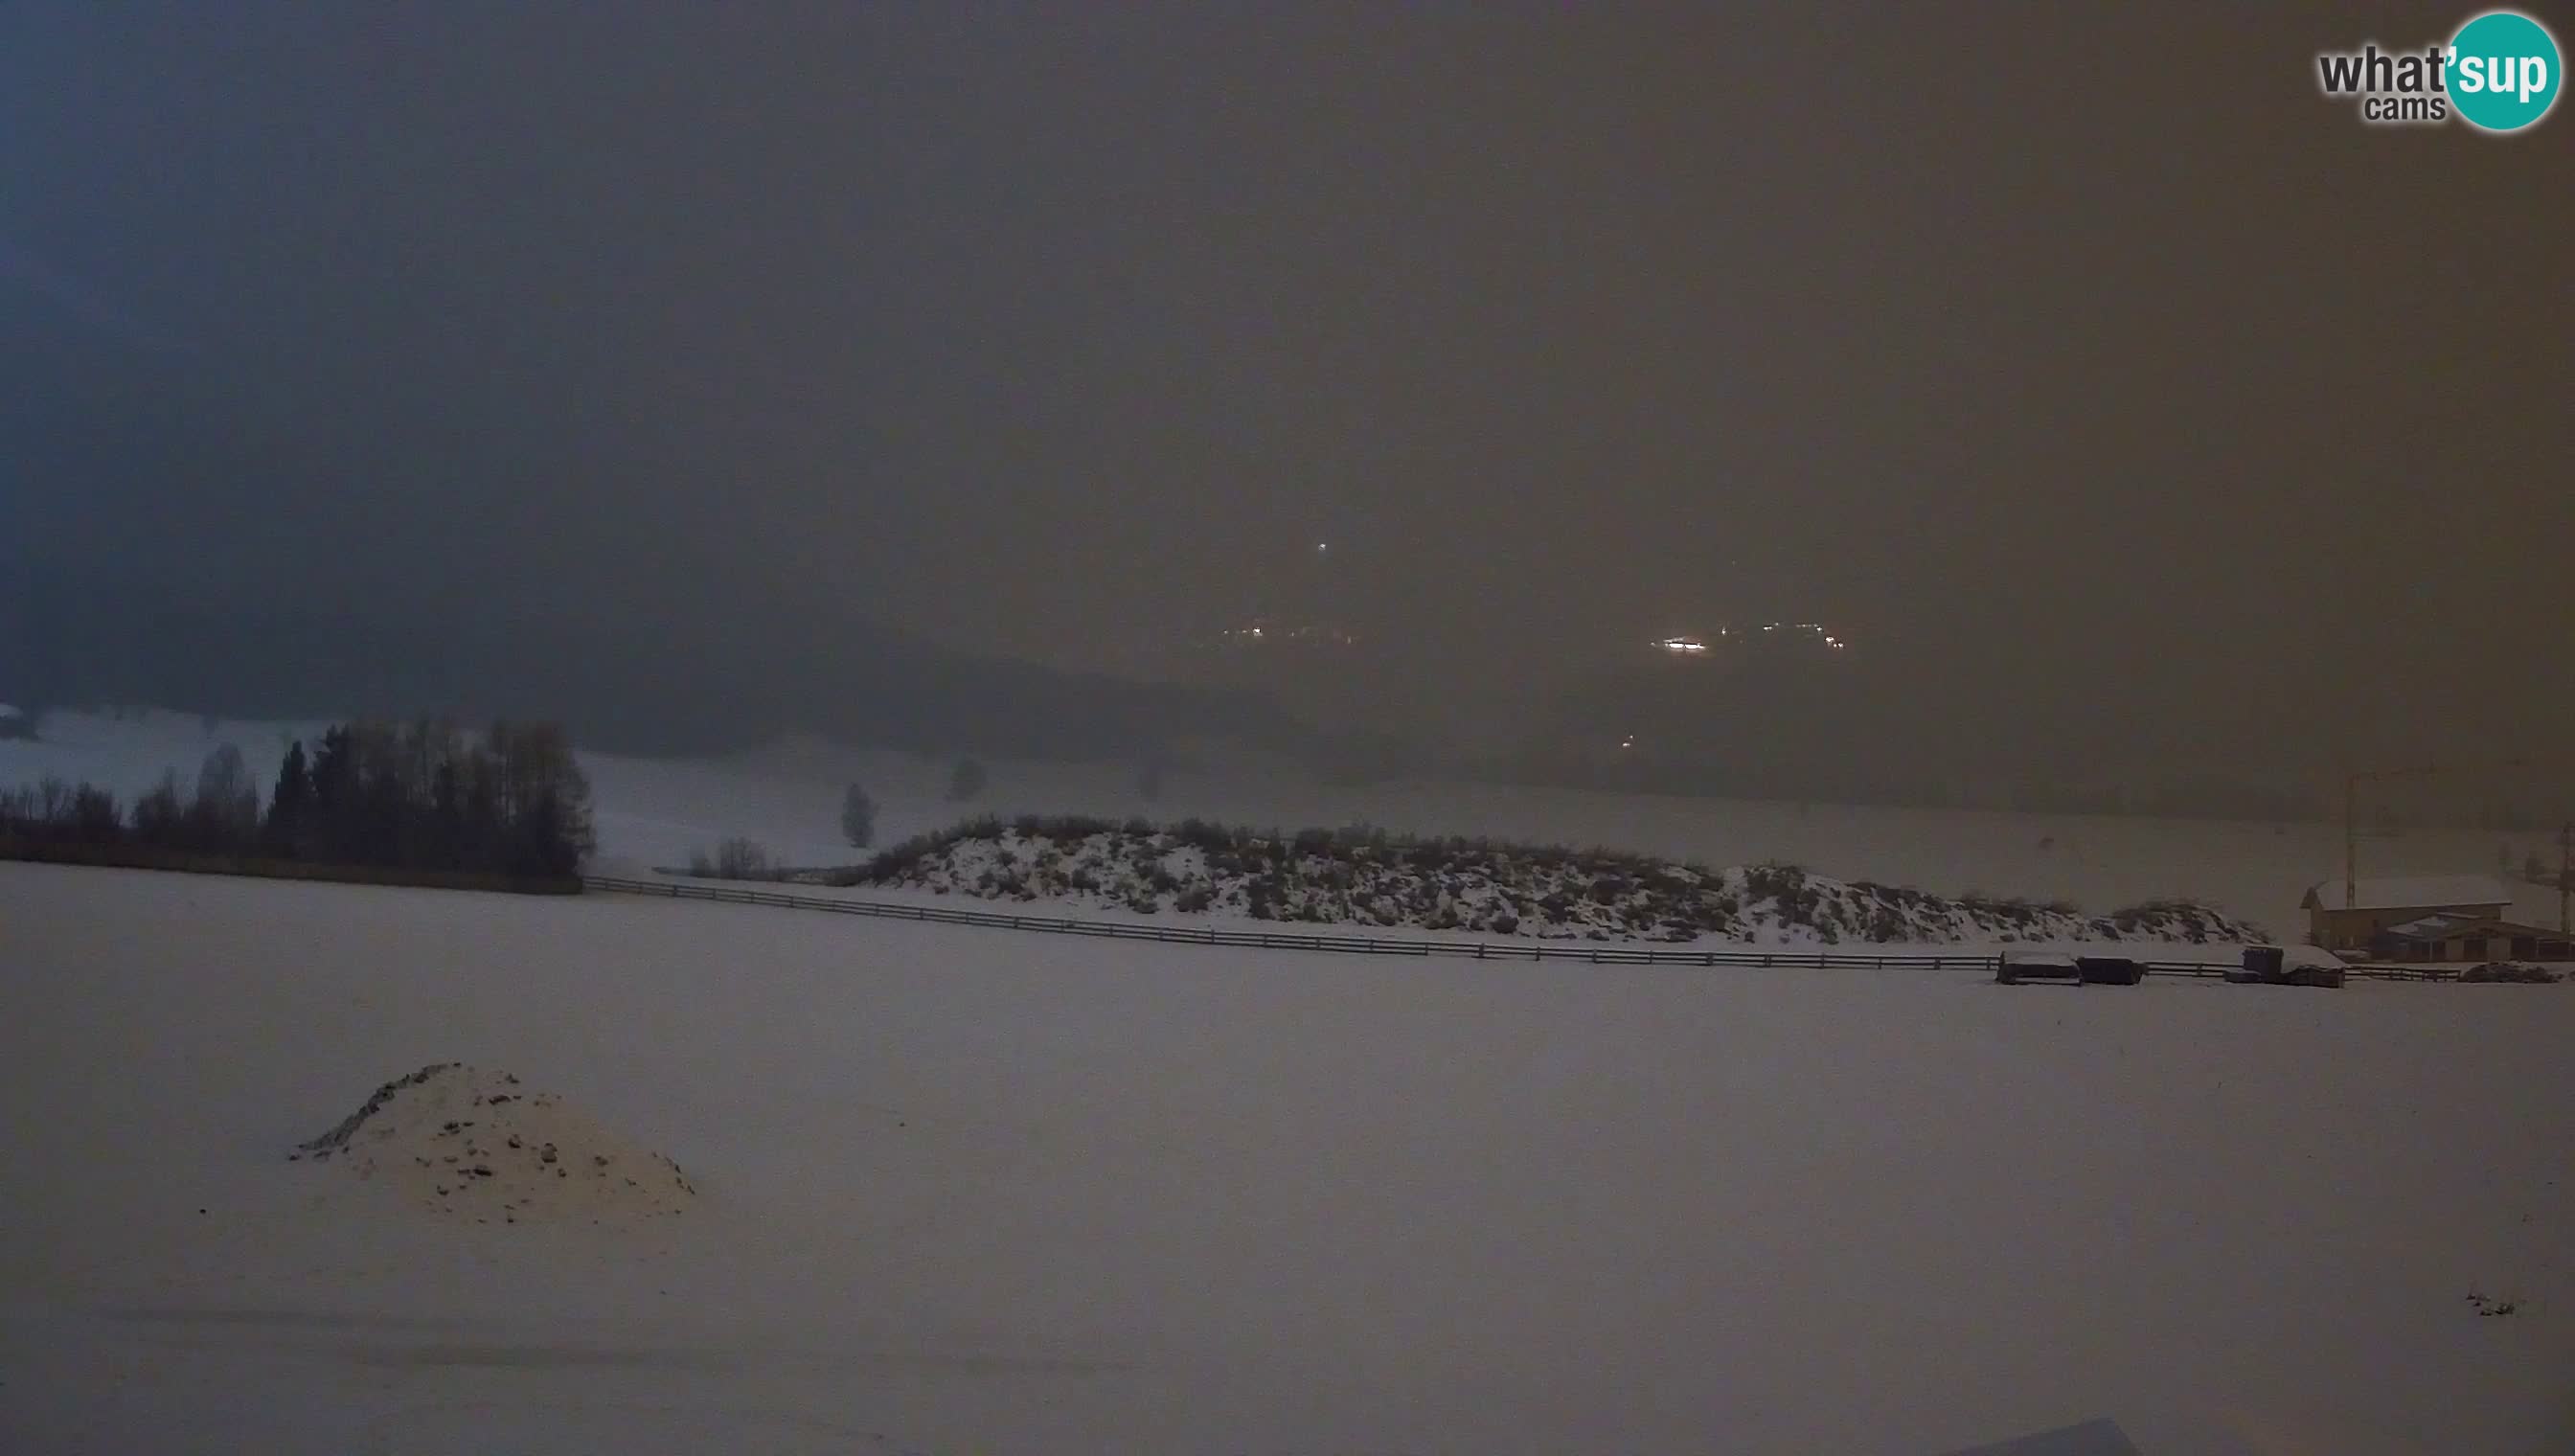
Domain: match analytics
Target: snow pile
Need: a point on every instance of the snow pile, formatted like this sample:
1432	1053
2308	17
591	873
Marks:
467	1144
1368	877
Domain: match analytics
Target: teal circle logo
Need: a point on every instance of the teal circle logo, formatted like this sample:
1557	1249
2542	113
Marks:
2504	71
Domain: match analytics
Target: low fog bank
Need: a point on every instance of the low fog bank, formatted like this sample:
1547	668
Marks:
1782	728
673	687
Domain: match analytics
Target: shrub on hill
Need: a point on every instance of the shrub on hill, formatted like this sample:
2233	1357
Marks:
1362	875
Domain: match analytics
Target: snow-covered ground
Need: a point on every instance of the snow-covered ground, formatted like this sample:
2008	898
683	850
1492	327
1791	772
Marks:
967	1190
653	811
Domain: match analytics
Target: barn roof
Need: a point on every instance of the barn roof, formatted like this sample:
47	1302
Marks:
2422	891
2443	927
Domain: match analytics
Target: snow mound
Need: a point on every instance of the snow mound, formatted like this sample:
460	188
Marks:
1366	877
469	1144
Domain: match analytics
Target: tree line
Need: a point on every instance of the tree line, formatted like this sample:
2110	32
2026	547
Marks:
418	795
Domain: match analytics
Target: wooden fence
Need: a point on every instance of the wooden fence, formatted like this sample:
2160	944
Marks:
153	857
1591	952
1595	952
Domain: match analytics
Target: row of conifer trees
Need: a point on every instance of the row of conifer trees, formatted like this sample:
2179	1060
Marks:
423	794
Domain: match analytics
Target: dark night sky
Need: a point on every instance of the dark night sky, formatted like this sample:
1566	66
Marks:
2007	337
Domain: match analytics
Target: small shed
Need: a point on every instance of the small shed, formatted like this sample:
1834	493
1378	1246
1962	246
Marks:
2378	903
2469	938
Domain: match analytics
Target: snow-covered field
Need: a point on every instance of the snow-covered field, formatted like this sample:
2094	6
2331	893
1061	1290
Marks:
653	811
978	1192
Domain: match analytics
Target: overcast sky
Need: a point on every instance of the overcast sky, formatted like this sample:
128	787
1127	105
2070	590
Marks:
2001	337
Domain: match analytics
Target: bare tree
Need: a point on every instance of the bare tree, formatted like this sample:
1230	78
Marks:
158	812
858	817
534	763
227	805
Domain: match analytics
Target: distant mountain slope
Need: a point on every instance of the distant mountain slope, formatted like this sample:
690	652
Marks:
1366	877
85	632
174	533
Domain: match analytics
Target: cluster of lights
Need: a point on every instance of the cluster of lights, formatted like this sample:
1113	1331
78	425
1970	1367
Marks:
1811	629
1269	631
1690	646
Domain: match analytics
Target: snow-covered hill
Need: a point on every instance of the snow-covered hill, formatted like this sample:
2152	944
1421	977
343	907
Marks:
1366	877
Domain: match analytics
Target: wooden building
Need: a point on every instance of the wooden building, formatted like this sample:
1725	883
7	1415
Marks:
2468	939
2380	903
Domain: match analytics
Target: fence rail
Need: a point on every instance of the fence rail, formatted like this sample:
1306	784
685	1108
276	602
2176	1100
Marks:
88	855
1590	952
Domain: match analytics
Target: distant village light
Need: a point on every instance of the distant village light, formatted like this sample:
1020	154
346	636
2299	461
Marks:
1695	646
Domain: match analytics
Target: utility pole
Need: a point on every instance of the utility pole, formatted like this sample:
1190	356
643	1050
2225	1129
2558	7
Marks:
2351	824
2565	873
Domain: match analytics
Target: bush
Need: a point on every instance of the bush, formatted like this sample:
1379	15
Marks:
2510	972
1776	881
